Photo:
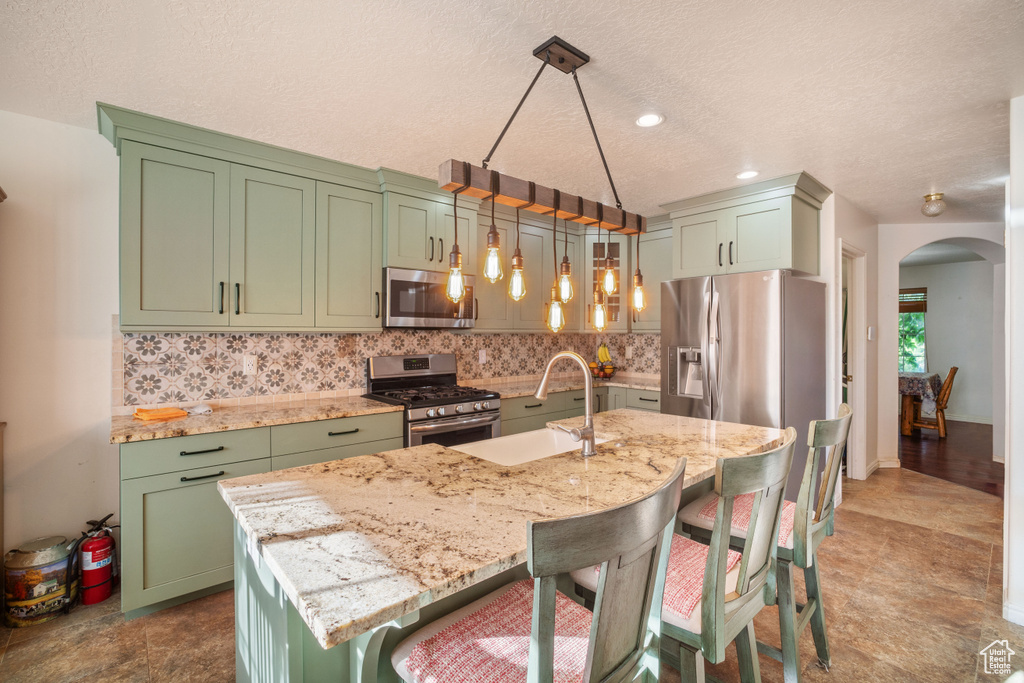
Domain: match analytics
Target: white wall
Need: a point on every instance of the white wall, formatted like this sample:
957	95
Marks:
58	291
894	243
958	331
1013	497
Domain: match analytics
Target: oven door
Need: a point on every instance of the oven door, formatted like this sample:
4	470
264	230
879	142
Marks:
452	431
416	298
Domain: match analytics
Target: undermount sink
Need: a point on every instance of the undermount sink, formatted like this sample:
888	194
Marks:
517	449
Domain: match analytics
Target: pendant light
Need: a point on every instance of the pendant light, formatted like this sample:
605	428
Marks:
565	278
639	296
456	288
600	309
556	316
517	281
492	262
610	281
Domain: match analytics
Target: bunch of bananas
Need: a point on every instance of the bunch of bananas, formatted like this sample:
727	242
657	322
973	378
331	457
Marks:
603	369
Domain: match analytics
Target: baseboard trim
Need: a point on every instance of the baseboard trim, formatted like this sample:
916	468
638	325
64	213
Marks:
1013	613
889	464
976	419
871	469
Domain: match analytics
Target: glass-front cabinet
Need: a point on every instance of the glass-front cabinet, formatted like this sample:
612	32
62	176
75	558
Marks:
597	248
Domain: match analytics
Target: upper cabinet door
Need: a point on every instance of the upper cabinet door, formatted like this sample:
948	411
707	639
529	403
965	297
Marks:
273	241
596	250
494	305
759	237
467	236
530	312
174	238
349	229
656	266
411	227
699	245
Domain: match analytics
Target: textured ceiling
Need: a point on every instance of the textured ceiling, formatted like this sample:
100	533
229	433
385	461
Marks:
939	253
881	101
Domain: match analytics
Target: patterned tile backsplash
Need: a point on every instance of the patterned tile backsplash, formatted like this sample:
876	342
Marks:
172	367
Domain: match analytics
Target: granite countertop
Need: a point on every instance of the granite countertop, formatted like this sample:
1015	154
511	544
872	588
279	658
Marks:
515	388
359	542
125	429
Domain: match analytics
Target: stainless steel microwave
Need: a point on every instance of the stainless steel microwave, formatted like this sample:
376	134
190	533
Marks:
416	298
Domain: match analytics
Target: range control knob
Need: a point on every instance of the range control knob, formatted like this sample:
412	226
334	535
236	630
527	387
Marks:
476	406
441	411
459	408
487	405
430	412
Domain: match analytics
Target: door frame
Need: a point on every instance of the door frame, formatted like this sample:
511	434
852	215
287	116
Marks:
857	362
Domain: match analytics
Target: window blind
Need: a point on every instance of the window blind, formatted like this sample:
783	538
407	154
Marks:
914	300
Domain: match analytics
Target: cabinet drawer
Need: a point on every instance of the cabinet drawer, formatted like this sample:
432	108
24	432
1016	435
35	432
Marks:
283	462
176	535
189	452
527	406
644	400
314	436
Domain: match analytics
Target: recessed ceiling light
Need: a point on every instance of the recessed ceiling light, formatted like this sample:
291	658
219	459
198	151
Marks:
648	120
746	174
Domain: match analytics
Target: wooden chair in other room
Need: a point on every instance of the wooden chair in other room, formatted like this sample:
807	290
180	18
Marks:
805	524
941	400
513	634
713	593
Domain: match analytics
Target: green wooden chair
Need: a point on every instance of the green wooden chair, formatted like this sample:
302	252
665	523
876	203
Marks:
527	631
805	524
713	593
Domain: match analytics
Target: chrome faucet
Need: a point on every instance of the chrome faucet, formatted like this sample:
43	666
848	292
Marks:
586	433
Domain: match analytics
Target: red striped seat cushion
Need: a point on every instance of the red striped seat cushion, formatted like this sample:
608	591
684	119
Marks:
742	508
684	581
492	643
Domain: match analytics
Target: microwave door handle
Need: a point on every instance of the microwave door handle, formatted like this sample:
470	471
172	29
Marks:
452	425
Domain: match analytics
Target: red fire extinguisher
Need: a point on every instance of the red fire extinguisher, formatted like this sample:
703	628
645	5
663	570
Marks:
98	562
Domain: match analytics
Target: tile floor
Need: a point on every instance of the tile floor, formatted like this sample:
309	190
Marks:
912	578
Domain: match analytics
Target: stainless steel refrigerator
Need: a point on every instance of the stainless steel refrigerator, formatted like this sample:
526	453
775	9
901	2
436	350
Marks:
748	348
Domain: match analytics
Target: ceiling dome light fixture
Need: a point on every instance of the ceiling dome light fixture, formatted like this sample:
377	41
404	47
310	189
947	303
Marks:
650	120
933	205
745	175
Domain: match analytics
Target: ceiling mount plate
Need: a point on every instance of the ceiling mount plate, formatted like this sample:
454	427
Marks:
564	56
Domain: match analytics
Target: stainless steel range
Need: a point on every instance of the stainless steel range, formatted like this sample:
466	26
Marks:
437	409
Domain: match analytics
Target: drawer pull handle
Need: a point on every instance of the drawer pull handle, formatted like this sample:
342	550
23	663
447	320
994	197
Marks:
580	398
207	476
350	431
649	400
208	450
538	405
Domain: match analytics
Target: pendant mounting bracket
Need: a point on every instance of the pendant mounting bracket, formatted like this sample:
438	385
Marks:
564	56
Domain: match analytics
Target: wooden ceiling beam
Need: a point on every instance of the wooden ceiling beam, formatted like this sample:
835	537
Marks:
475	181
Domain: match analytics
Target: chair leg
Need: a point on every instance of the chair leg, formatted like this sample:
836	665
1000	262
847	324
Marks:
691	665
746	653
940	416
813	581
787	623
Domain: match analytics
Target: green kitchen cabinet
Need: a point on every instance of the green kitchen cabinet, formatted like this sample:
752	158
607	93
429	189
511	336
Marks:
309	443
643	399
656	266
349	244
273	242
541	251
208	244
616	398
596	248
175	528
764	226
420	233
495	308
175	238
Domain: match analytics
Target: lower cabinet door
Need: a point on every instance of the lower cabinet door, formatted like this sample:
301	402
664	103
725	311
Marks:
176	533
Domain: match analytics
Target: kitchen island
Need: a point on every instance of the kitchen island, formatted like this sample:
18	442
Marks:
335	562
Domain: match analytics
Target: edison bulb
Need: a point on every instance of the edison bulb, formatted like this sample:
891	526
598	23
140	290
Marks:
456	288
610	283
492	265
556	317
565	288
639	295
517	284
600	317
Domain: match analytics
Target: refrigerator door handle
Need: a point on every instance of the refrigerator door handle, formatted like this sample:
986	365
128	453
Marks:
705	359
714	364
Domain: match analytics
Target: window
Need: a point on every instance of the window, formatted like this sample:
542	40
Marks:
913	305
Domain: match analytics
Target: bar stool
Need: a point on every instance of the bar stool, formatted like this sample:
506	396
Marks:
804	525
528	631
712	593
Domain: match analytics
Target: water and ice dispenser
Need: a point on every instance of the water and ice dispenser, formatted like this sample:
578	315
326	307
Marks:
685	372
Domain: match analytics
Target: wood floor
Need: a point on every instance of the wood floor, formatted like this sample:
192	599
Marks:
964	457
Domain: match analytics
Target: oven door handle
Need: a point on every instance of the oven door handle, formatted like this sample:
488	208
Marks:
452	424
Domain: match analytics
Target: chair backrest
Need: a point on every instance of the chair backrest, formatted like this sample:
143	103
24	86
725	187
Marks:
630	543
947	388
724	615
815	503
